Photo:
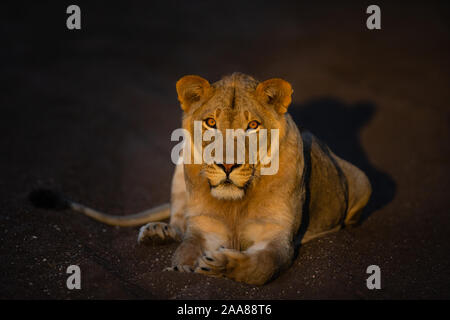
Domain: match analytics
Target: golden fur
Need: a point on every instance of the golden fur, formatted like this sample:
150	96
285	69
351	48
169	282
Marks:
244	227
232	220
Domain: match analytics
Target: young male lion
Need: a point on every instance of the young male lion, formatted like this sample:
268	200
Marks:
233	221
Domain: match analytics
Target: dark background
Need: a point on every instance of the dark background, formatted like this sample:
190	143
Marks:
90	113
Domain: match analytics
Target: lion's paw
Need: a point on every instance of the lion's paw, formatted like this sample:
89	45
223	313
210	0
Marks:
220	263
158	233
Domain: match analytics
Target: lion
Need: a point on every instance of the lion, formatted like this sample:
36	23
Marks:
232	221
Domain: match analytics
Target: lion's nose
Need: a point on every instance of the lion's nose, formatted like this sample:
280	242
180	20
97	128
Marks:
228	167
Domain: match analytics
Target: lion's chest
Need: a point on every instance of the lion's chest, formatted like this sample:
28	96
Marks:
238	234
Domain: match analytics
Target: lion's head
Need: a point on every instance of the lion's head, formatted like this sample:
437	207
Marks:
236	102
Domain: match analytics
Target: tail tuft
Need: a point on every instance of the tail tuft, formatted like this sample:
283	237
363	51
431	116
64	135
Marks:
48	199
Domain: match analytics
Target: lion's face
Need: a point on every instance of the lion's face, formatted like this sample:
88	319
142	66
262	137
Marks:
236	102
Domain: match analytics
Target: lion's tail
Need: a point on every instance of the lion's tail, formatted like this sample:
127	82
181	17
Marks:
49	199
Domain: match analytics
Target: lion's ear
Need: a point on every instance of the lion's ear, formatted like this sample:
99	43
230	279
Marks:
191	89
275	92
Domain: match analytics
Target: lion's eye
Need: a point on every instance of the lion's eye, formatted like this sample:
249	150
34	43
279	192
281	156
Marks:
252	125
211	123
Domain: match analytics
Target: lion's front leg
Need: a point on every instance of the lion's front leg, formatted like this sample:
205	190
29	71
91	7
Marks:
187	254
257	265
203	233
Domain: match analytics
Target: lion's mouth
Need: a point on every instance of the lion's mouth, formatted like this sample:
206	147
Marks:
228	190
229	186
226	183
229	182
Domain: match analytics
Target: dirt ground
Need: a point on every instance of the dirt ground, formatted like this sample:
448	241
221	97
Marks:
90	113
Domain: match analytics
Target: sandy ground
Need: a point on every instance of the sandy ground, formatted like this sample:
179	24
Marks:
90	113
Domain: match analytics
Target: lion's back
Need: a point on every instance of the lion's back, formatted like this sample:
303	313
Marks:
333	186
